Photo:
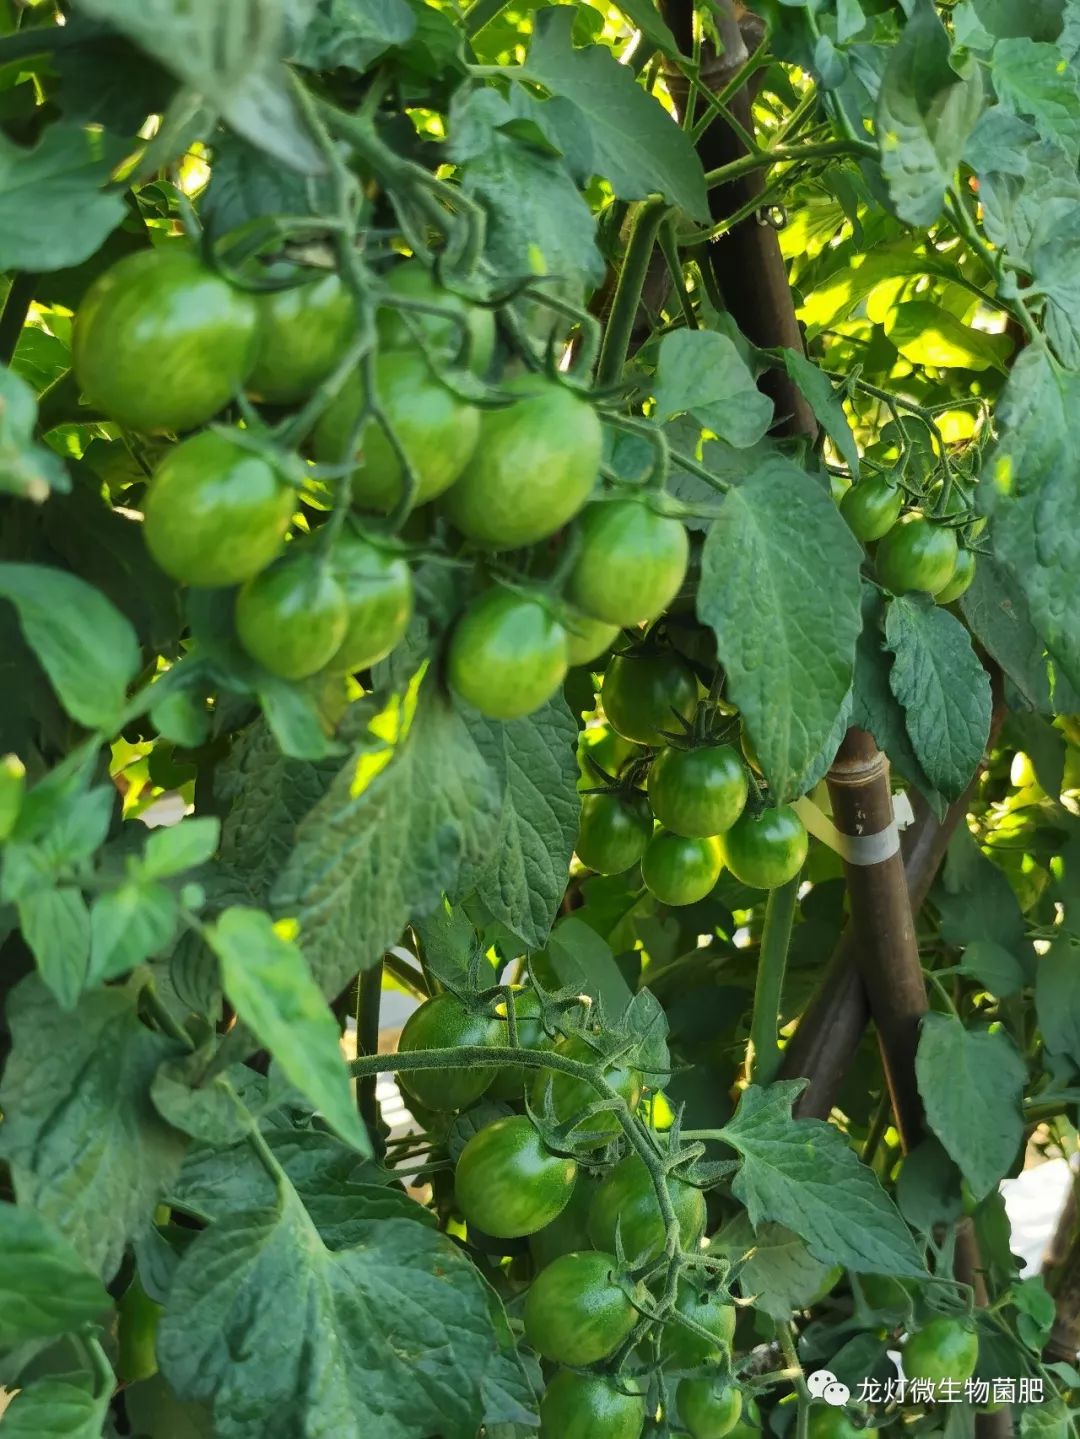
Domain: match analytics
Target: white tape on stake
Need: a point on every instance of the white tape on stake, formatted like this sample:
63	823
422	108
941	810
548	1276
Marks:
860	849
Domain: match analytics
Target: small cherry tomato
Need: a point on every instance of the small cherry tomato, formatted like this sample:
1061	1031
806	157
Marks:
766	850
871	508
680	871
614	831
916	554
698	792
508	1183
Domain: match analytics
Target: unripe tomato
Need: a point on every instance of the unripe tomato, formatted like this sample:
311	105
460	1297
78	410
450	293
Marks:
569	1095
507	655
535	464
586	638
627	1199
378	597
412	281
698	792
162	343
678	870
962	577
508	1183
292	617
916	554
568	1232
614	831
766	850
216	512
871	508
436	430
682	1349
304	332
943	1350
644	695
709	1408
590	1406
509	1082
575	1312
630	562
444	1022
826	1422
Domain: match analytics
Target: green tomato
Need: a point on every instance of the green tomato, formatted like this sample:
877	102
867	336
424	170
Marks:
589	1406
627	1199
412	281
444	1022
916	554
709	1408
871	508
680	871
575	1312
765	850
507	655
644	696
304	332
698	792
509	1082
378	597
570	1095
162	343
630	562
614	831
216	512
586	638
508	1182
943	1351
436	430
291	618
680	1348
568	1232
824	1421
962	577
535	464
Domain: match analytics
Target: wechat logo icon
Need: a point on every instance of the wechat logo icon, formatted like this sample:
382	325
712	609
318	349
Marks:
823	1384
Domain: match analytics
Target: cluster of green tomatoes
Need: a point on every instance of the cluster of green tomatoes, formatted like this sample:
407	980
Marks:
162	343
913	551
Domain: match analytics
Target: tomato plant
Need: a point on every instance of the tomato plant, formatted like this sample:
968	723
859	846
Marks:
576	1311
581	1406
916	554
697	792
507	655
681	1347
292	617
765	850
942	1352
614	831
646	696
709	1408
444	1022
508	1184
630	562
626	1202
872	508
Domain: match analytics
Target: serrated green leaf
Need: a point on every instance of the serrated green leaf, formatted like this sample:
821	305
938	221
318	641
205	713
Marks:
780	1276
996	612
1034	80
268	983
702	373
45	1288
780	588
353	33
928	334
55	209
802	1174
826	405
56	926
972	1084
943	688
127	926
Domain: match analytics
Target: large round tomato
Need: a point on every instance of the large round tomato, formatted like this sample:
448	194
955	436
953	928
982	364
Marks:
871	508
509	1082
569	1095
162	343
304	332
766	850
962	577
507	655
292	616
443	333
590	1406
576	1312
436	430
825	1421
680	1347
627	1200
630	562
644	695
709	1408
535	464
942	1351
916	554
508	1183
678	870
586	638
378	596
216	512
444	1022
614	831
698	792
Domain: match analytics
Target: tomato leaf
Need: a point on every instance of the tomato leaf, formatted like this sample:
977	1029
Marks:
780	1275
174	848
826	404
56	926
86	1149
27	469
56	1409
269	985
802	1174
352	34
943	688
996	612
45	1288
702	373
127	926
972	1084
1057	997
1033	80
55	209
780	587
85	646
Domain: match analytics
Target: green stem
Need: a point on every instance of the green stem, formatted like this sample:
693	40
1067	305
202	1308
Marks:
368	1000
480	14
624	306
13	317
768	992
671	255
786	1335
784	155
